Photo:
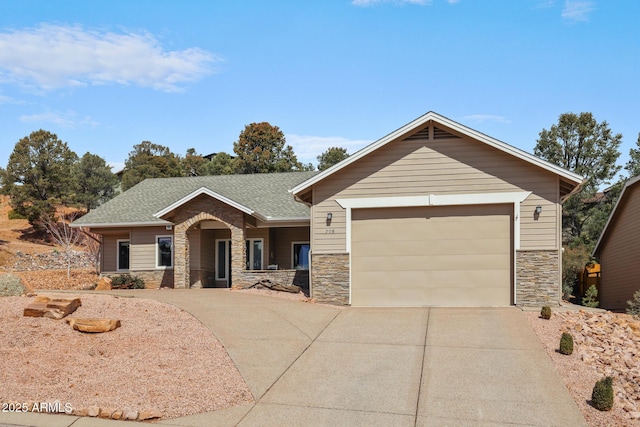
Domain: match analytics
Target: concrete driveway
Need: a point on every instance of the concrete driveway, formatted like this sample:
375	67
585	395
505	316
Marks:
317	365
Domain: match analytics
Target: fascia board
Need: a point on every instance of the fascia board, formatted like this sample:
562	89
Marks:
122	224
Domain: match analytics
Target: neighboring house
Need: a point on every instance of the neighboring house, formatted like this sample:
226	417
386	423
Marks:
618	250
435	213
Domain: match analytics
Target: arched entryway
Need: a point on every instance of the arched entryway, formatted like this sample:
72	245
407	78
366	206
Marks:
194	241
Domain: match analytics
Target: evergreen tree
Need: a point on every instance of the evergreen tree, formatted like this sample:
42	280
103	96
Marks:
580	144
261	148
633	165
330	157
95	182
221	164
39	175
149	160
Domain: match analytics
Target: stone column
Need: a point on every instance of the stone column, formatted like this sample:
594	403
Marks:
180	257
238	253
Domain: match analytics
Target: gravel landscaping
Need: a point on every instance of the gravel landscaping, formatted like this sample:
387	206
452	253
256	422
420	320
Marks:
605	344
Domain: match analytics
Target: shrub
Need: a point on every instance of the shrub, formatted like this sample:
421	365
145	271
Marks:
602	395
590	298
127	281
15	215
545	312
11	285
566	343
634	305
573	261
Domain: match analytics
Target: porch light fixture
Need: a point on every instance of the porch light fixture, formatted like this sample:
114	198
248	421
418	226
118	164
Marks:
538	210
329	216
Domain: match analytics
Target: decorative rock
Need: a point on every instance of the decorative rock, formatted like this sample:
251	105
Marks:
116	415
149	415
93	325
53	308
93	411
104	284
82	412
129	414
606	341
106	412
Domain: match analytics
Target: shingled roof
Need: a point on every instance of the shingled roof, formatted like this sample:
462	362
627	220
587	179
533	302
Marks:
264	195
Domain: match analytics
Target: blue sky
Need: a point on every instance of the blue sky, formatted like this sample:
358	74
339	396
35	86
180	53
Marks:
106	75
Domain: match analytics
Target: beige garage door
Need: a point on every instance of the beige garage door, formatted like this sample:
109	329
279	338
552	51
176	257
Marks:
432	256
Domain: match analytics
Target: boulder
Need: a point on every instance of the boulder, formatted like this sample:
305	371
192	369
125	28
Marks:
104	284
53	308
93	325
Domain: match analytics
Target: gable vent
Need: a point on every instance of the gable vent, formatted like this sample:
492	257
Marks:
423	134
443	134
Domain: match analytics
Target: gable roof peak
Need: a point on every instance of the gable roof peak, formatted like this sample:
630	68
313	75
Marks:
431	116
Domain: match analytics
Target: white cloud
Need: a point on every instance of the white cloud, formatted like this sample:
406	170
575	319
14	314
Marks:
9	100
68	120
373	2
54	56
545	4
308	148
481	118
577	10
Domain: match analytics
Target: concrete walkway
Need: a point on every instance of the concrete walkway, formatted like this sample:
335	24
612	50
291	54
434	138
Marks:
317	365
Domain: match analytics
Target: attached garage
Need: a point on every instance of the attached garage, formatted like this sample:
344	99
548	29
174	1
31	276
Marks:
437	214
432	256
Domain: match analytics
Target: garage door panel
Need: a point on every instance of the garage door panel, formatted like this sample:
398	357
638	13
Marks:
446	255
407	297
398	250
425	230
433	262
455	279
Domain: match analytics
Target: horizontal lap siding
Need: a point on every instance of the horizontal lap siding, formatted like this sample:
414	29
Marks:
284	238
620	254
110	250
453	166
143	247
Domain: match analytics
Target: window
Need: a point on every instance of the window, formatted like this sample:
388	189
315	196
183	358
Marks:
223	260
123	255
300	257
254	254
164	251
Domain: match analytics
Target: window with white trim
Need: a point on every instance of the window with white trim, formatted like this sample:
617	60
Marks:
124	253
223	259
300	255
254	254
164	251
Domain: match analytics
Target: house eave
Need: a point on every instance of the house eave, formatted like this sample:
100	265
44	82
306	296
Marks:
160	223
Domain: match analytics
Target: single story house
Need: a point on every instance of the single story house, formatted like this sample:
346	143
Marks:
434	213
618	250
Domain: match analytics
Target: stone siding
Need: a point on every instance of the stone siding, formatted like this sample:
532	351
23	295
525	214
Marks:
537	276
200	209
330	278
